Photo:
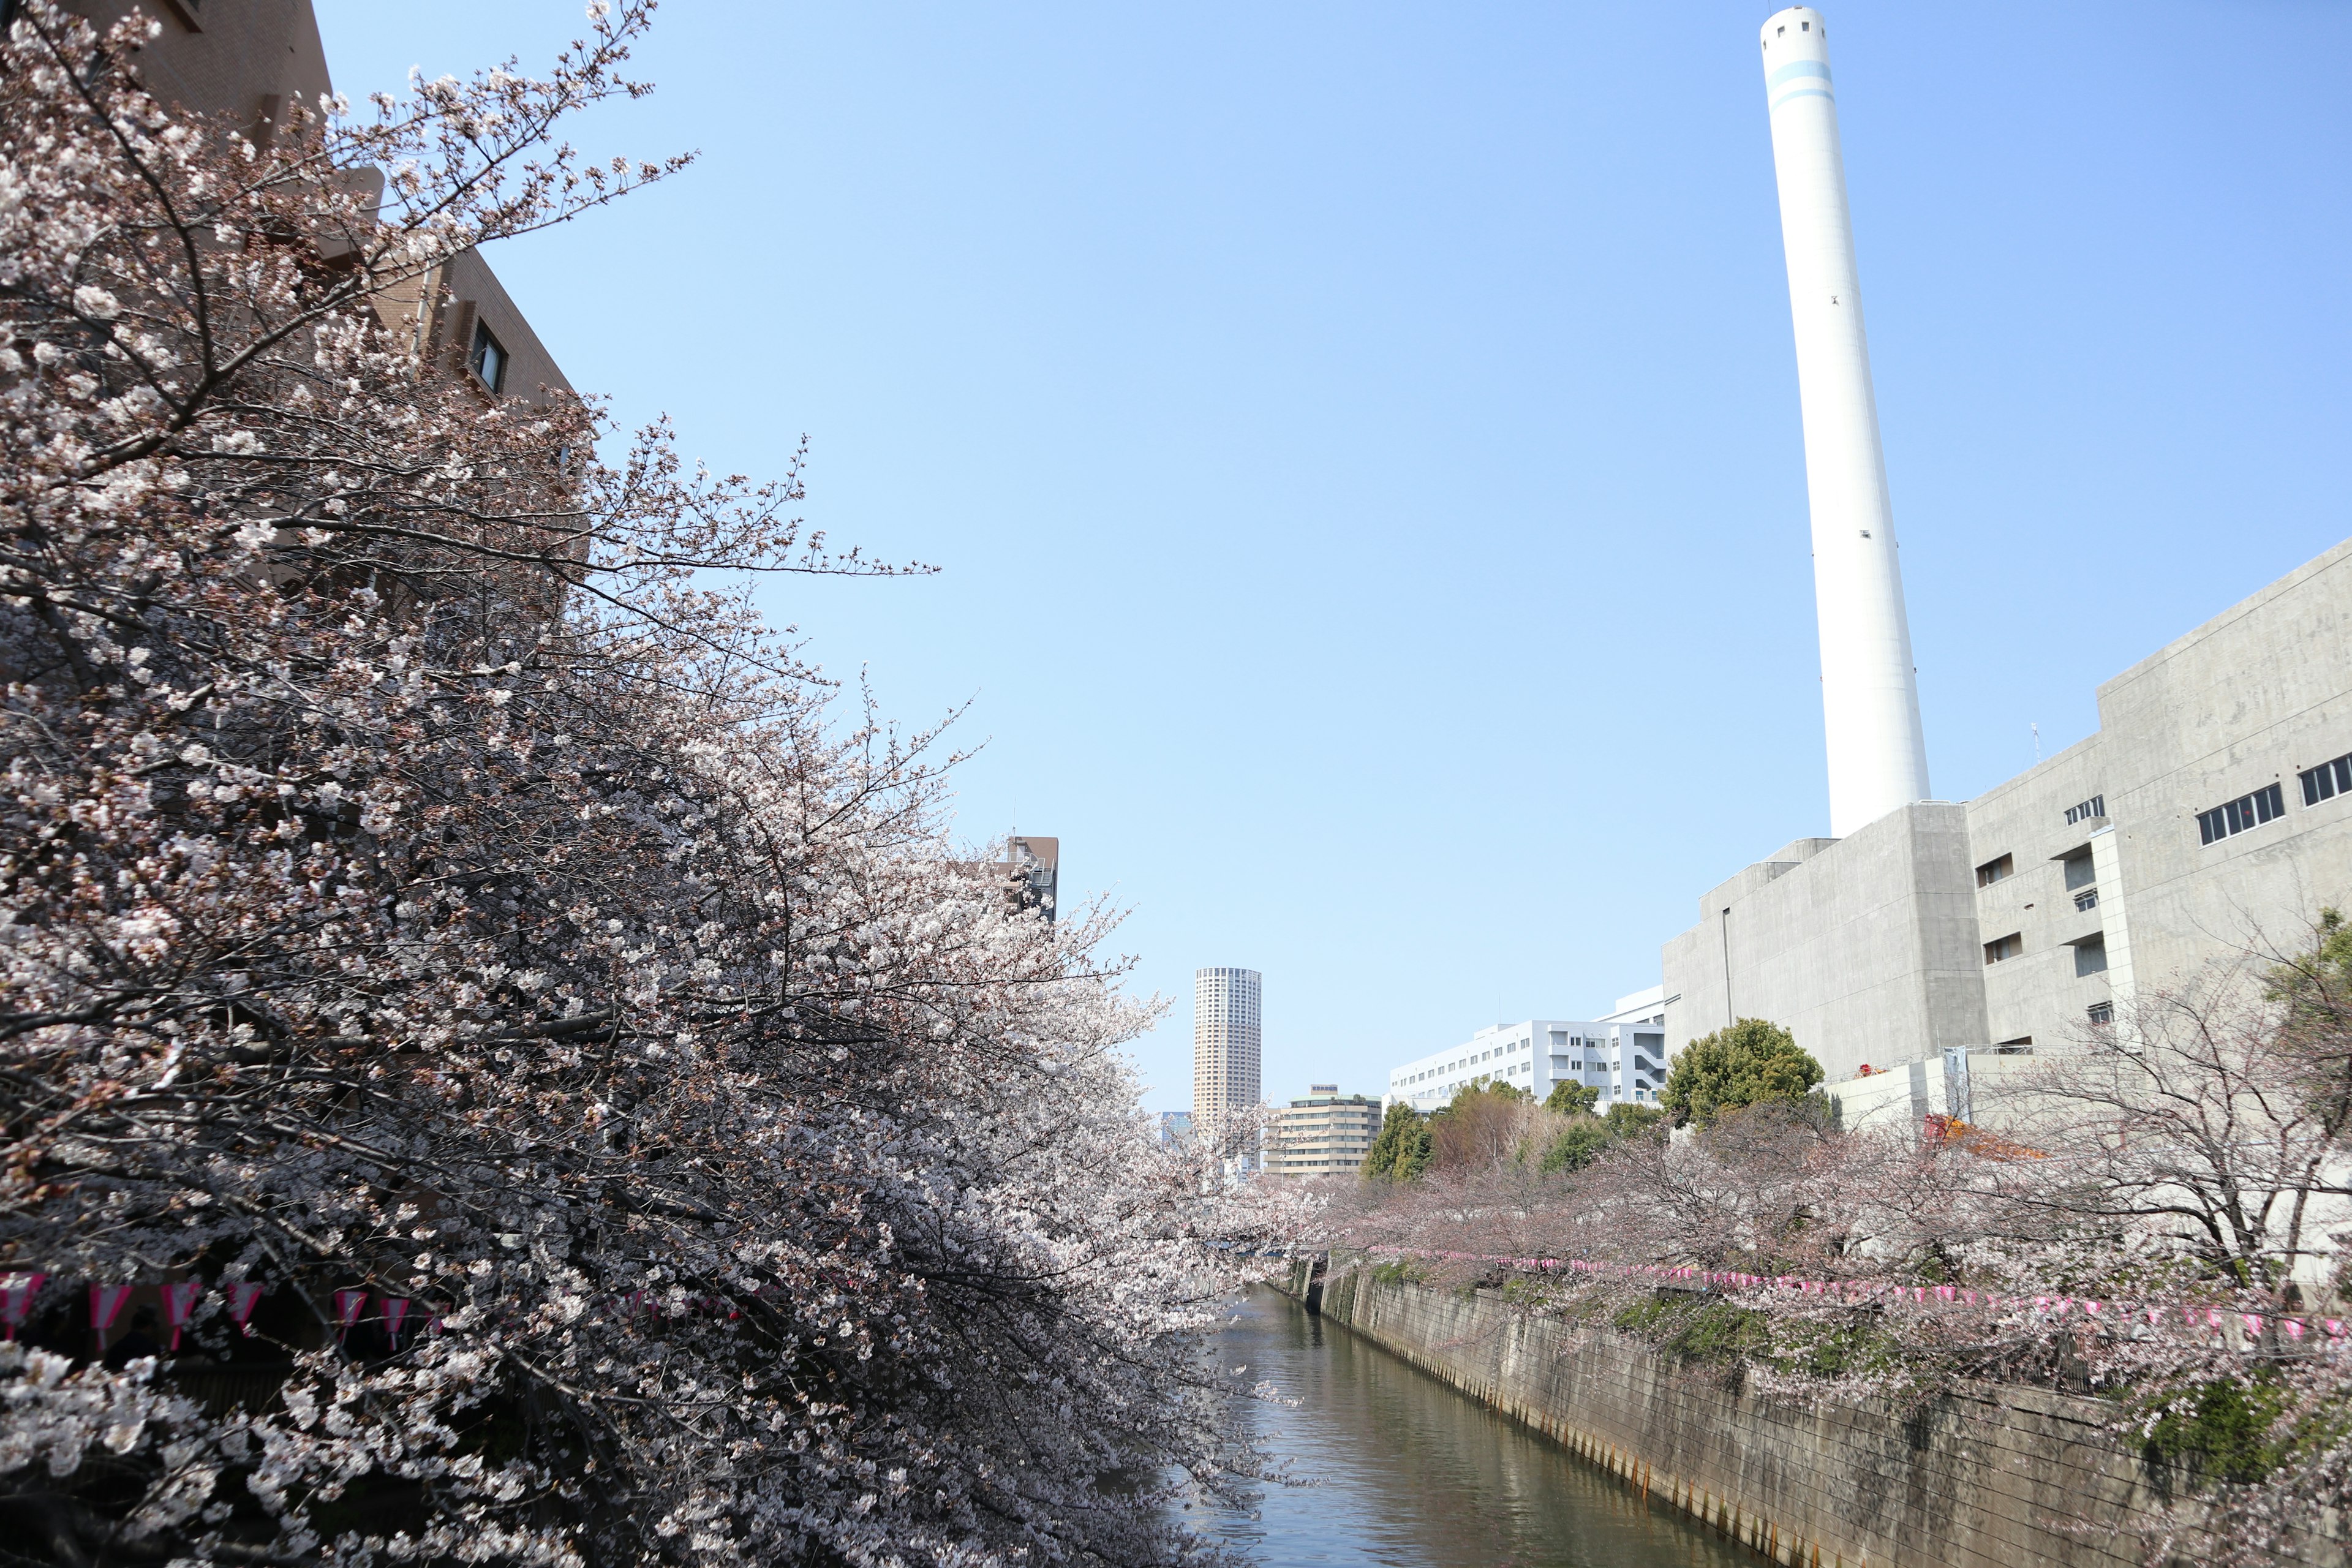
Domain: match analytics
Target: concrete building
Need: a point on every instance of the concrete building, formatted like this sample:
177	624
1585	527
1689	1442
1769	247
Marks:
1621	1056
2209	815
1224	1040
1324	1134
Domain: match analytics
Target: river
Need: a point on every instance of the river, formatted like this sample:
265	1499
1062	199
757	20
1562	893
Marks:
1408	1472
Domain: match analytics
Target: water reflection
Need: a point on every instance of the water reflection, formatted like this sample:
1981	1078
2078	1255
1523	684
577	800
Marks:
1412	1473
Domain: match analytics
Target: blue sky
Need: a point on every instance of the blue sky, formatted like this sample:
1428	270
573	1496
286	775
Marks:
1361	441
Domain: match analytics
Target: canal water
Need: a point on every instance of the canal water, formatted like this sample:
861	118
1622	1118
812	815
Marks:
1405	1471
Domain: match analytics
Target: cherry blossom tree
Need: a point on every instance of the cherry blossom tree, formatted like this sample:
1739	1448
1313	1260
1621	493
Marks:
427	880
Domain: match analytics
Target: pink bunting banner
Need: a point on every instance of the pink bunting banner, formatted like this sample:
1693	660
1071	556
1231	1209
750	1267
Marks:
242	1297
180	1305
106	1305
16	1299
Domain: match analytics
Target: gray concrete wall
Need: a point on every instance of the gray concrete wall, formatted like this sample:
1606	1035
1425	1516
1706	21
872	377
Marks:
2006	1478
2036	997
2252	697
1866	948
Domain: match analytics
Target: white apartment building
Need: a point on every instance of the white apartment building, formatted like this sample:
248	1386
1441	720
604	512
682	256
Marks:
1621	1056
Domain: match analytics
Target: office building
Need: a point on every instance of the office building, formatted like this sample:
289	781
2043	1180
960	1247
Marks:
1324	1134
1621	1056
1224	1041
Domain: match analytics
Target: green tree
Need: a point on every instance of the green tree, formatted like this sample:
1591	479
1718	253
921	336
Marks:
1750	1063
1626	1119
1587	1136
1401	1150
1414	1155
1580	1143
1571	1099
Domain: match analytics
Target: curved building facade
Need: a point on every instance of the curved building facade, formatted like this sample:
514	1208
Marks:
1224	1039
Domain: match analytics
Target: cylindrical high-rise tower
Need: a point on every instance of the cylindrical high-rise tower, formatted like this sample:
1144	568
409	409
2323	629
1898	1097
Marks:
1869	692
1224	1040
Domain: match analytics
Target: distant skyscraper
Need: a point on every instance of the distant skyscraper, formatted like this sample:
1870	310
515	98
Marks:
1224	1040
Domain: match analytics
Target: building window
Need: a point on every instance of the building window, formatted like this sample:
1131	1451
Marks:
2087	900
487	359
2091	957
2020	1047
2101	1012
2246	811
2094	807
2008	947
1993	871
2326	781
2081	870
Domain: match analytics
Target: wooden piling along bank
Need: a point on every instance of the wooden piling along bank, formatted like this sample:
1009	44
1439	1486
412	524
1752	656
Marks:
1991	1477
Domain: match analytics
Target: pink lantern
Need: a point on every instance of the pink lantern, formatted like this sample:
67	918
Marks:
106	1305
348	1305
16	1299
395	1308
242	1298
180	1305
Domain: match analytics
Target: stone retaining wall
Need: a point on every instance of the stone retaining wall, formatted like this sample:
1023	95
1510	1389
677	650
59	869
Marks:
1994	1477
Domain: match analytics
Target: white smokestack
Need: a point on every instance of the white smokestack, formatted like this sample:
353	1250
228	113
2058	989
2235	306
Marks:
1870	693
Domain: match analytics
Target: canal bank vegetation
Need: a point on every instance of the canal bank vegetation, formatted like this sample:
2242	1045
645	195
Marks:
2159	1222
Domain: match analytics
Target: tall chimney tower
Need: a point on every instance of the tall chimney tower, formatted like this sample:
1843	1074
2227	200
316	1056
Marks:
1869	692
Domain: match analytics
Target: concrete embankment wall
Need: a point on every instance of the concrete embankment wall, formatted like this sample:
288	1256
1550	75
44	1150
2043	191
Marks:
1996	1478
